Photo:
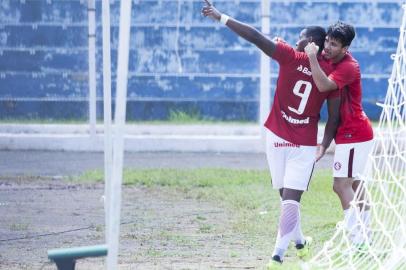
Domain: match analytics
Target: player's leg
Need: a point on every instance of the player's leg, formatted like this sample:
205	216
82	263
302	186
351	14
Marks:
276	161
295	195
288	222
343	173
362	151
299	168
343	180
281	193
358	188
302	242
342	186
363	234
349	162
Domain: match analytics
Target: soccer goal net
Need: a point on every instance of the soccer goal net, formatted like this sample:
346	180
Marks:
381	238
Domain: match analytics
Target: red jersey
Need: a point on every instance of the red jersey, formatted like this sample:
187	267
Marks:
297	102
354	124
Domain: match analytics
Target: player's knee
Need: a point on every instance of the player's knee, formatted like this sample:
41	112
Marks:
342	185
338	188
292	194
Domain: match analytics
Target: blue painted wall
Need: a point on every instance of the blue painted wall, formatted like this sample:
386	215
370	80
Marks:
178	59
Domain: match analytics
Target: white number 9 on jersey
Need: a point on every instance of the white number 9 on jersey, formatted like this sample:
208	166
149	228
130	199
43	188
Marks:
303	95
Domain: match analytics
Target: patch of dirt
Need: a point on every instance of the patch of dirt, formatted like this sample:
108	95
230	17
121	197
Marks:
160	230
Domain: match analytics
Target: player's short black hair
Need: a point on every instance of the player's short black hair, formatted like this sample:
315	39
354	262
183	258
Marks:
318	35
342	32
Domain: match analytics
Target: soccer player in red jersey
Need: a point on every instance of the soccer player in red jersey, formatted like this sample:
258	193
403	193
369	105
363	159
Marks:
291	125
354	138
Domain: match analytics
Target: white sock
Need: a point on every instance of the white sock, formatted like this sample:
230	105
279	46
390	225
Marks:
366	217
287	226
299	237
363	233
350	223
349	218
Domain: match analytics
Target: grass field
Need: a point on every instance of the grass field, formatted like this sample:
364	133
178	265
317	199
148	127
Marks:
174	117
248	195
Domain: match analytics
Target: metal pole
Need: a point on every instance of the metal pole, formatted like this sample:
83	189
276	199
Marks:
118	145
108	138
265	72
91	11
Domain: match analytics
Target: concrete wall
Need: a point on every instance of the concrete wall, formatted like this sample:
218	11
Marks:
178	59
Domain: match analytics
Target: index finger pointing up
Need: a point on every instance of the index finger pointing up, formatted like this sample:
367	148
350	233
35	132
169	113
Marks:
207	2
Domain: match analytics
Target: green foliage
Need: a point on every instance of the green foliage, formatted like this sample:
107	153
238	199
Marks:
178	116
175	117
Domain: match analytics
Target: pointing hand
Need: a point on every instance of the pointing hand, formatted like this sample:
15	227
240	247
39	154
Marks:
210	11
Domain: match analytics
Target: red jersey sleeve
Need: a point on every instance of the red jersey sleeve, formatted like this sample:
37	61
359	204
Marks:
284	53
344	74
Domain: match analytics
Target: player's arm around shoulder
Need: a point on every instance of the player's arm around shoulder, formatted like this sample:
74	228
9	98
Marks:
322	81
245	31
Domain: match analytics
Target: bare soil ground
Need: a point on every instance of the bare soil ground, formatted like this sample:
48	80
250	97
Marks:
160	229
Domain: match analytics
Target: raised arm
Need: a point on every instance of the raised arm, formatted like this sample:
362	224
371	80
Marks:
245	31
320	78
333	108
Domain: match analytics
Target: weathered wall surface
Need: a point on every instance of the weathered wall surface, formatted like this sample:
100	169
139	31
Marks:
178	59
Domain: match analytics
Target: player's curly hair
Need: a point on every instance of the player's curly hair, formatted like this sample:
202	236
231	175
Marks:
318	35
342	32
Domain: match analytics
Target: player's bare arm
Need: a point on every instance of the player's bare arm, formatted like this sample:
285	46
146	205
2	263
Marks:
330	130
320	78
245	31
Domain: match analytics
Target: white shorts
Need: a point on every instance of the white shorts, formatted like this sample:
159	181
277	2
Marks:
350	159
291	165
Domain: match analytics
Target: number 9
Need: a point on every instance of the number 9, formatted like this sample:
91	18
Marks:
303	95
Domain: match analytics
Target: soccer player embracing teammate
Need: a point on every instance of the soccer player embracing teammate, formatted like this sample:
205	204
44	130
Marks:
354	138
292	124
